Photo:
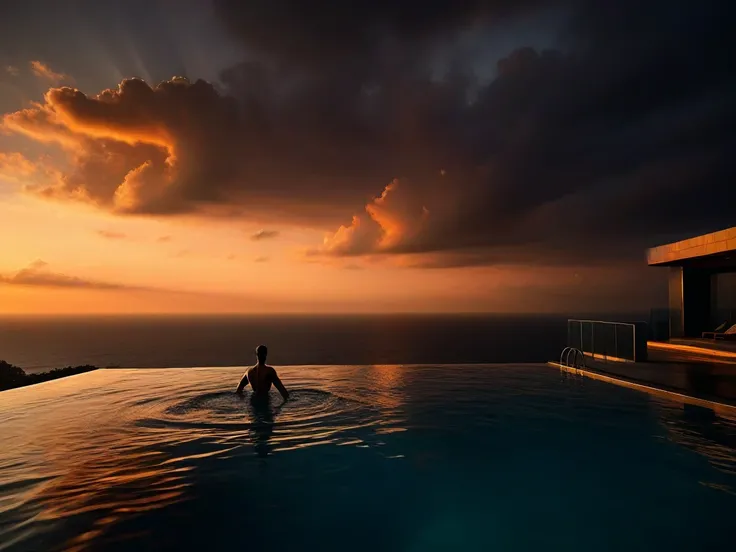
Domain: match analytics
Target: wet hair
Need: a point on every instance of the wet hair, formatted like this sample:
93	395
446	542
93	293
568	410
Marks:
261	352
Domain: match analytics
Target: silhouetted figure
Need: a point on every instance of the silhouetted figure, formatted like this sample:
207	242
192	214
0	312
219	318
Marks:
261	376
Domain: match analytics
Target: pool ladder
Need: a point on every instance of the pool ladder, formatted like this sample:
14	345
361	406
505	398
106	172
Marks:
578	358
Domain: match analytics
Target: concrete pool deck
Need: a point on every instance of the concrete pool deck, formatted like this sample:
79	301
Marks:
687	373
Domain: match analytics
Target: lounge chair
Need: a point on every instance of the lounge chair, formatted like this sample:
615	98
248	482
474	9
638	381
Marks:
720	329
729	334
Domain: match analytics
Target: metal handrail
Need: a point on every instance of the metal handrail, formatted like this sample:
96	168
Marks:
564	351
567	351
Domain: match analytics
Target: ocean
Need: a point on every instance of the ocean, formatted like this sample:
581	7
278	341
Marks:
41	343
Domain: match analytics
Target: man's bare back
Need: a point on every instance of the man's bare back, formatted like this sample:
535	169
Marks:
261	376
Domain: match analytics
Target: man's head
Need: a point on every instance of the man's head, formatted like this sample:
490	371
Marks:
261	353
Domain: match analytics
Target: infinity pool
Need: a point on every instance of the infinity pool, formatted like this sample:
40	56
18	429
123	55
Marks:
405	458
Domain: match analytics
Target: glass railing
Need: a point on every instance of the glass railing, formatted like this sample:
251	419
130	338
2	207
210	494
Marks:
609	341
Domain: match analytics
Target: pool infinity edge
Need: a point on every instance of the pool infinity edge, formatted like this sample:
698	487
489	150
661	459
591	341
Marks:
722	409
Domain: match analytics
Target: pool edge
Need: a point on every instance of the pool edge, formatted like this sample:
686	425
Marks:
722	409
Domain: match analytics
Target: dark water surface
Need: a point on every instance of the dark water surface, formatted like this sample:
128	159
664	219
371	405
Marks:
364	458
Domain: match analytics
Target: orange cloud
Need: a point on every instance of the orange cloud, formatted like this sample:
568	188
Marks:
264	235
184	147
37	274
40	123
121	114
32	174
43	71
397	215
118	173
15	166
394	220
123	144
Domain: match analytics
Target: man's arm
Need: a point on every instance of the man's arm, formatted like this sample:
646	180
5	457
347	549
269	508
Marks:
243	383
280	386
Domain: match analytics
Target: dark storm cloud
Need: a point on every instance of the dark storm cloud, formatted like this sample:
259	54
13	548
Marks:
589	154
324	32
620	139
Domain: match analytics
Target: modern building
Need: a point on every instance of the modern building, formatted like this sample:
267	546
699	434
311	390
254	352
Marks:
702	281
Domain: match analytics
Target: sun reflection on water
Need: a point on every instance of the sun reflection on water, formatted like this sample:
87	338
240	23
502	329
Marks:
95	450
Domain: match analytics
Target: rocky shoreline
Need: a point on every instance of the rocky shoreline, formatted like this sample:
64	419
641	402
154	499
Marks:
13	376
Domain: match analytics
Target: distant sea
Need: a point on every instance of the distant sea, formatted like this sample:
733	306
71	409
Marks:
40	343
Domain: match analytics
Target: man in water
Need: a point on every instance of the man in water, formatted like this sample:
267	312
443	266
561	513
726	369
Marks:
261	376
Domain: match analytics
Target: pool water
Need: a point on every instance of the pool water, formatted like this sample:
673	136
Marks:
405	458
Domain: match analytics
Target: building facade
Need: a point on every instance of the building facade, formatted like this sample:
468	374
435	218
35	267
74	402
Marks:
702	281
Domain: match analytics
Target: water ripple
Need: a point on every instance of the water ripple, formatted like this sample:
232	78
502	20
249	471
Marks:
125	459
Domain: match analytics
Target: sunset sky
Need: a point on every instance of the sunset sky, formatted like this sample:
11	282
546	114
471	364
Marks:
365	156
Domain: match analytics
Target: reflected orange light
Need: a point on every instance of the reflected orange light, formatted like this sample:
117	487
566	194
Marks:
387	379
692	349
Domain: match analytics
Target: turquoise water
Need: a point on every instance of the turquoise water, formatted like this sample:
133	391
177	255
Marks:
405	458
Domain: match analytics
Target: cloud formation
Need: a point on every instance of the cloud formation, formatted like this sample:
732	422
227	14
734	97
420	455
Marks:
111	235
29	173
392	222
43	71
329	32
38	274
264	235
178	147
12	70
585	153
14	165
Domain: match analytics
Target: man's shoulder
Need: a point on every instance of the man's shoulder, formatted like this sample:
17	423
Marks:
265	367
